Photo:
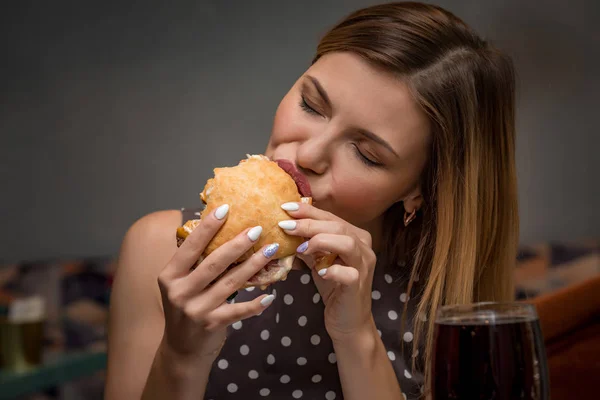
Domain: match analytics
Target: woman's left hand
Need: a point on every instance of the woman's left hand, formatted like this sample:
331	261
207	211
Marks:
345	286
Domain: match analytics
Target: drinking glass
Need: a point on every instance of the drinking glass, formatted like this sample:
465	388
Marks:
489	351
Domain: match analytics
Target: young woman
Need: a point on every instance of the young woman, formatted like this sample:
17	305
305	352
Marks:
404	126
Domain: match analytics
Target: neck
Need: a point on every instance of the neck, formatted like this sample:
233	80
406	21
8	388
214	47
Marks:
375	228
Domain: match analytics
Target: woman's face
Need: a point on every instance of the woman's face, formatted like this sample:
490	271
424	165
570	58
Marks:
358	136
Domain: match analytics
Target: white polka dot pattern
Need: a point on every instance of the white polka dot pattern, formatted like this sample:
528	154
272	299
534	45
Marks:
288	299
287	353
391	356
232	388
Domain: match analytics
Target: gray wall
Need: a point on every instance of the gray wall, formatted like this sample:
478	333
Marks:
108	112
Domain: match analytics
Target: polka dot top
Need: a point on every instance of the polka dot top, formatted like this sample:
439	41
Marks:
286	353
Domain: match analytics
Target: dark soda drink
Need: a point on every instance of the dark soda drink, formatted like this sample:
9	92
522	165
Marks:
489	356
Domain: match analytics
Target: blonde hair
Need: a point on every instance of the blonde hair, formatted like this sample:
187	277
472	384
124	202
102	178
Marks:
464	241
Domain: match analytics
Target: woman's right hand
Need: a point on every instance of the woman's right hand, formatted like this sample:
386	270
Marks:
196	311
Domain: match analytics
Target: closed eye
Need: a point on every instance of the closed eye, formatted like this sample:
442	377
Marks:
307	108
363	158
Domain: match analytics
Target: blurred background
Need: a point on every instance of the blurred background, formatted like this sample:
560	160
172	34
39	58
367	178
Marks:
112	110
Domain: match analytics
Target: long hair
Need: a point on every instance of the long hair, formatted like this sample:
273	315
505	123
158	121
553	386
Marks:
463	243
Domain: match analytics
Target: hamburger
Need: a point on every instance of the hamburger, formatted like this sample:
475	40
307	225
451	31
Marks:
255	189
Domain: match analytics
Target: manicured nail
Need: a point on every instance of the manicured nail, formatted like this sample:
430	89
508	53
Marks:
287	225
302	248
254	233
322	272
222	211
290	206
270	250
267	300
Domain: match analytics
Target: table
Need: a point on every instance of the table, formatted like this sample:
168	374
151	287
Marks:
60	369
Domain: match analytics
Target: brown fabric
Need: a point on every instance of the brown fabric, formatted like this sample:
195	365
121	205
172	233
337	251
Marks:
570	320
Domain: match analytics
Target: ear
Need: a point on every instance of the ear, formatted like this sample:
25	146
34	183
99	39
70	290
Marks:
414	201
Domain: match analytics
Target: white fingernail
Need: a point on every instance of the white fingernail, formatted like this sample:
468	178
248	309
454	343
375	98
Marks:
222	211
254	233
267	300
287	225
290	206
322	272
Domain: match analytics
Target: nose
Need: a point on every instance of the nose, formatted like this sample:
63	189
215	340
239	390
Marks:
312	156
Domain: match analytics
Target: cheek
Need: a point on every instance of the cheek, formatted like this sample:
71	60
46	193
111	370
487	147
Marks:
360	200
287	124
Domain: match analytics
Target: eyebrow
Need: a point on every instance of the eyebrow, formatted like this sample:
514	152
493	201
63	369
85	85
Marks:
379	140
368	134
320	89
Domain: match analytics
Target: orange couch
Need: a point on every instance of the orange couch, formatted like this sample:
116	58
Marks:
570	320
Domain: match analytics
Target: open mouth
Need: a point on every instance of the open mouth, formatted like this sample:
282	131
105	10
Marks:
297	176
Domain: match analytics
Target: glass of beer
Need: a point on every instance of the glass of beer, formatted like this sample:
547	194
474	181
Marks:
489	351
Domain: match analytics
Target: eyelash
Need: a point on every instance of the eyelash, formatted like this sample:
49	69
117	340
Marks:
304	105
364	159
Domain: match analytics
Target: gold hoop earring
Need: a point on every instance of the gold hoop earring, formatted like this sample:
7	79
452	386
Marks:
408	218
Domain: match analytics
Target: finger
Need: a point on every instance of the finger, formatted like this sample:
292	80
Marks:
348	277
303	211
227	314
235	278
348	248
219	260
191	249
310	227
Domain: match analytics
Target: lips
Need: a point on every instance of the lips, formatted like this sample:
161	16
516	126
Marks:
297	176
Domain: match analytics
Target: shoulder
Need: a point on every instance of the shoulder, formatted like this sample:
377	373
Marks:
149	243
154	226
